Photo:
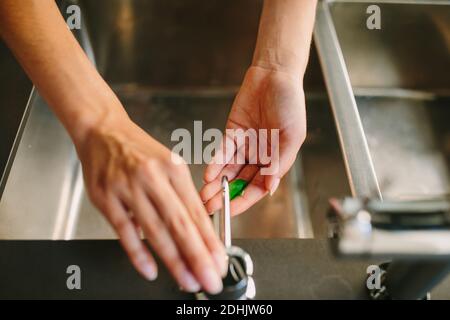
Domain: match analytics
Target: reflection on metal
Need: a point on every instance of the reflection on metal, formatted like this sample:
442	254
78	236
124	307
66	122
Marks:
361	173
408	139
69	204
40	187
402	89
394	93
300	201
165	90
225	216
416	234
402	101
238	283
410	52
126	22
417	229
16	142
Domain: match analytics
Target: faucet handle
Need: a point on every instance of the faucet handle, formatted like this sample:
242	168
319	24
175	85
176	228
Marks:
225	215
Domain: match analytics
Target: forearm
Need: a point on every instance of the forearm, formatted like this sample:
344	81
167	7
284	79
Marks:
37	34
284	36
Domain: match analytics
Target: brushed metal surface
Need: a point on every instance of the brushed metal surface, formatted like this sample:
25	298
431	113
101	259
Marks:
392	134
359	166
409	140
170	63
15	89
400	76
410	51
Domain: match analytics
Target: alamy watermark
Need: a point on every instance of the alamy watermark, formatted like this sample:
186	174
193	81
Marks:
74	17
374	277
73	281
237	146
373	22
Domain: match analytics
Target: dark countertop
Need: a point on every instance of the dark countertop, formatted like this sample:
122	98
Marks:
284	269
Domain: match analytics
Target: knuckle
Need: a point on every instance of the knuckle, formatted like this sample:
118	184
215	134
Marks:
95	186
116	183
196	257
178	224
96	197
177	159
151	229
93	193
149	169
119	222
199	216
181	169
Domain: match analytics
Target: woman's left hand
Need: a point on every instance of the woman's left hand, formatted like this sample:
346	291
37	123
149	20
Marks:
268	99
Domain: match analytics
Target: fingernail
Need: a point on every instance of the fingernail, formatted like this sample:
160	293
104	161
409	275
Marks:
208	209
189	283
149	272
274	186
221	261
213	281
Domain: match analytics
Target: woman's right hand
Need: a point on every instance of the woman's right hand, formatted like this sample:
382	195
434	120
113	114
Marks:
135	183
129	176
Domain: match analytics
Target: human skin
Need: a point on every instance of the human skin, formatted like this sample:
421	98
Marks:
271	97
129	175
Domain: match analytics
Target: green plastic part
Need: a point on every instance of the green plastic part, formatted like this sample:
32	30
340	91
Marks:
237	188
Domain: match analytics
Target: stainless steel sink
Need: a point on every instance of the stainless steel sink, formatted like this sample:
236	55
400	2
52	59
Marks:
14	91
390	94
170	63
401	78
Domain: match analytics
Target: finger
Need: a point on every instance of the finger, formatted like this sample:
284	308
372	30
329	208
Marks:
224	155
161	241
138	254
255	191
124	197
210	189
136	225
247	174
287	157
185	189
186	236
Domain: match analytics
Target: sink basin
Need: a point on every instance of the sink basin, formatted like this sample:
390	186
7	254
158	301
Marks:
170	63
14	91
381	131
400	77
390	91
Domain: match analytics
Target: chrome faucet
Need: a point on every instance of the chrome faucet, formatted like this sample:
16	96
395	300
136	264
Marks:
238	283
225	216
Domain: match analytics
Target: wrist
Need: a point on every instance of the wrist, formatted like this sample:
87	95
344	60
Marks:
260	72
279	60
93	112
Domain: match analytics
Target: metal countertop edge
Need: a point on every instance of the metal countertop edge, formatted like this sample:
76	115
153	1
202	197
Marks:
358	161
